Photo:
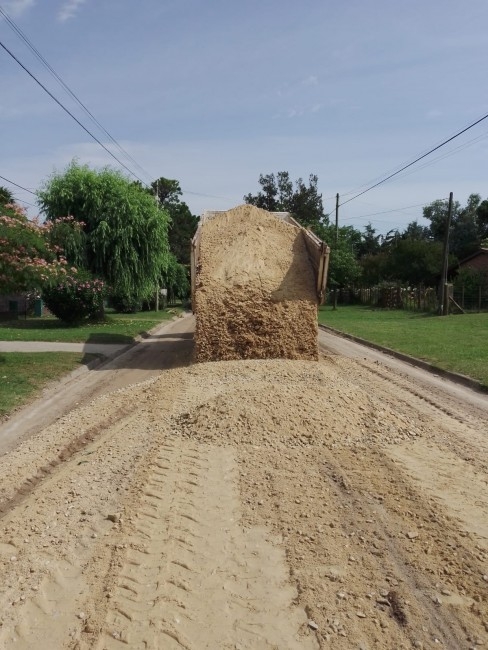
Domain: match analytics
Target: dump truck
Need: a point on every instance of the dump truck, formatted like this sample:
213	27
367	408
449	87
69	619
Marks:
257	278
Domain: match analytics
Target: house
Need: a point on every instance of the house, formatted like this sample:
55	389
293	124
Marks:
14	305
11	305
477	261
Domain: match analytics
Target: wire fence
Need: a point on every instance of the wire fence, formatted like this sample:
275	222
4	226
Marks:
469	297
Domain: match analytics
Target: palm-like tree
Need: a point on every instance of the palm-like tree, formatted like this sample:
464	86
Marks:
6	195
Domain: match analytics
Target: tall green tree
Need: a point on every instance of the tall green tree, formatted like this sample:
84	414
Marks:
415	261
416	231
344	269
125	231
469	224
183	223
278	195
370	242
482	219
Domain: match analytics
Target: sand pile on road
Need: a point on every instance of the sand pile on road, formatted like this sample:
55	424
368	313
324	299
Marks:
255	292
294	403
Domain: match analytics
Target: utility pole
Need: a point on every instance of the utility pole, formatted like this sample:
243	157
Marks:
337	218
444	299
334	305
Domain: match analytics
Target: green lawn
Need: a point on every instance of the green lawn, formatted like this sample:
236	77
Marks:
23	375
118	328
458	342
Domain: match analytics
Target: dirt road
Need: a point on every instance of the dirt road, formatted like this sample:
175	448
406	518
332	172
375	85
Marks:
250	504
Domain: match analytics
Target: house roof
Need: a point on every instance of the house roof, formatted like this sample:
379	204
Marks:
481	251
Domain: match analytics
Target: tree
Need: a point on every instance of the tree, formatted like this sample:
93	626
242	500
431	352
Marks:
277	195
125	233
415	231
344	269
469	225
176	280
183	223
415	261
482	220
28	261
370	242
6	196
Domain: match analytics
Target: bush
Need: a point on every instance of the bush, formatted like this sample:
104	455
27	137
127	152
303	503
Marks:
76	299
126	303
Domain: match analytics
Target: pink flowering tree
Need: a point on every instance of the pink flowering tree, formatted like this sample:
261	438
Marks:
28	260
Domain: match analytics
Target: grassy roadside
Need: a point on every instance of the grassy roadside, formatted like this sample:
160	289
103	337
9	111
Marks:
23	375
118	328
458	343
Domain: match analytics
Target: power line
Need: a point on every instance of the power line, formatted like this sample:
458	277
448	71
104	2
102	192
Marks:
53	72
16	184
374	214
421	155
71	114
26	202
447	154
417	159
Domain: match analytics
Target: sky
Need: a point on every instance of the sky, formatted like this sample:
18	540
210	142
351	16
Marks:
214	93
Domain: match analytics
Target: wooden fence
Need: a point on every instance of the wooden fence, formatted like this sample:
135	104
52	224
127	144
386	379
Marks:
470	298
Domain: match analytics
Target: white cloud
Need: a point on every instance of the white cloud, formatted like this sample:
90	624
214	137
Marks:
312	80
17	7
297	111
69	9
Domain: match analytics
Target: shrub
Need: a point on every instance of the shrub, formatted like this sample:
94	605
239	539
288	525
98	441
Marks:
126	303
78	298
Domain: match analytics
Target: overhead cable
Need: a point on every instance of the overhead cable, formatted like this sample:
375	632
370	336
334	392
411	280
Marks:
442	144
53	72
71	114
17	185
374	214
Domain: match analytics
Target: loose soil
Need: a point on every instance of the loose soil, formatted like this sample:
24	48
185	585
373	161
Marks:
250	504
255	291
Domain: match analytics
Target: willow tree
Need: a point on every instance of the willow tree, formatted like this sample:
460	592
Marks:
125	232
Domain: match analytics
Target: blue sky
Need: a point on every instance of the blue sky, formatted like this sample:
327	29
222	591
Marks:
216	92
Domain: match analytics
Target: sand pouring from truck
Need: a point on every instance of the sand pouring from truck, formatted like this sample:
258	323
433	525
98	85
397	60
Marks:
257	278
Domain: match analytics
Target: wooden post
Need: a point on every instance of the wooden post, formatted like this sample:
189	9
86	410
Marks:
444	301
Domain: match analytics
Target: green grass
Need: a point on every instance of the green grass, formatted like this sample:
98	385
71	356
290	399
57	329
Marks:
458	343
118	328
23	375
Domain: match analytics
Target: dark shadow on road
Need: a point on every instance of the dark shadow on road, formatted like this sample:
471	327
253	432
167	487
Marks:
88	358
182	335
110	339
168	351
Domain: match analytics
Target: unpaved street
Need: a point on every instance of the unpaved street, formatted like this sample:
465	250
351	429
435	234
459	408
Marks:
248	504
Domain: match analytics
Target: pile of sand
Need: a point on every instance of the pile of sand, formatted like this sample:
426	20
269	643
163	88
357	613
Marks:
281	402
255	289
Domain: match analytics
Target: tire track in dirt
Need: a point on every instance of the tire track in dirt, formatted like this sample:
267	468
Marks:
64	455
192	577
57	532
460	427
360	538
